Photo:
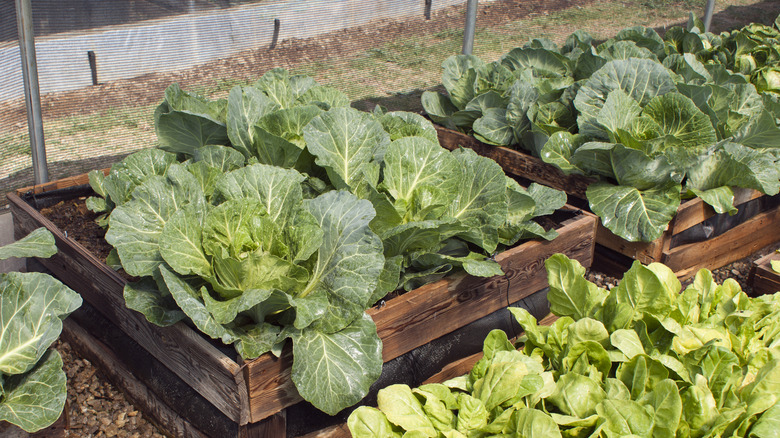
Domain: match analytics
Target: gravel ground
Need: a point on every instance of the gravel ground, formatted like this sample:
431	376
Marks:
98	409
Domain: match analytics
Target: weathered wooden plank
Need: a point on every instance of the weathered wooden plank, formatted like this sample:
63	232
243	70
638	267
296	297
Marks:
58	184
426	313
337	431
215	376
269	385
763	279
274	426
121	377
464	366
645	252
517	163
739	242
524	265
695	211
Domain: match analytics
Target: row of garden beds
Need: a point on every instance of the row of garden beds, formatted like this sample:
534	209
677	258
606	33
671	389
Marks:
215	189
193	387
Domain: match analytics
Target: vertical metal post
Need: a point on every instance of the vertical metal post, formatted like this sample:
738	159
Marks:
32	93
92	58
471	24
708	10
275	37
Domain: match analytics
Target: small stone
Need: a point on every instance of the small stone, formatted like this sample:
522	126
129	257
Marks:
112	430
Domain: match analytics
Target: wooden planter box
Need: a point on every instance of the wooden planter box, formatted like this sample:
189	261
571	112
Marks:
763	278
696	238
192	386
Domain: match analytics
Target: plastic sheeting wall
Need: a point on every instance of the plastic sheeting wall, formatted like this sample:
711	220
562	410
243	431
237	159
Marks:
177	43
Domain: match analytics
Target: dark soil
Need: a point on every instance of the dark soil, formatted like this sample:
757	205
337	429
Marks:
78	222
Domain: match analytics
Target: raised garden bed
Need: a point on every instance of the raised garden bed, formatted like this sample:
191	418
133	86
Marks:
191	386
696	238
763	278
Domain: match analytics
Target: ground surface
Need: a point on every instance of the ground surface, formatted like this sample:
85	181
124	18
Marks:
148	89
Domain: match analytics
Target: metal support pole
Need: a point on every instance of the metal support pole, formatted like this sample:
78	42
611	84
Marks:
471	24
275	38
708	10
32	93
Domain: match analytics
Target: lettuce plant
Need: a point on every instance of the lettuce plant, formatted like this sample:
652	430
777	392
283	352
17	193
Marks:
32	389
641	359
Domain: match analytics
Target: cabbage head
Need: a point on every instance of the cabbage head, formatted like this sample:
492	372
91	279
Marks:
254	264
767	80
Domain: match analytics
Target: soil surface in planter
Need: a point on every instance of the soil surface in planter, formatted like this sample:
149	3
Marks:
79	223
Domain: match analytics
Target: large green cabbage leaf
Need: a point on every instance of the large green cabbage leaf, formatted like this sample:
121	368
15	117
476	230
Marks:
263	258
32	307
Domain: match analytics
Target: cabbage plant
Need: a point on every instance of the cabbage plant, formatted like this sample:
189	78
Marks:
253	259
655	133
261	122
653	120
436	210
32	307
282	214
254	264
642	359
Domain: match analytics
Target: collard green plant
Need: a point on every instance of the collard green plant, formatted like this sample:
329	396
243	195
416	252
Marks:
642	359
252	259
654	120
306	214
254	264
32	390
